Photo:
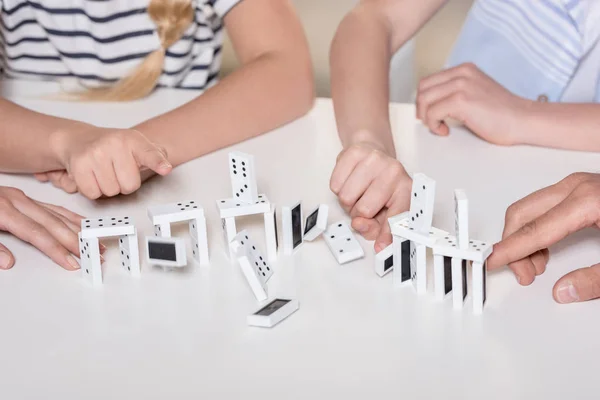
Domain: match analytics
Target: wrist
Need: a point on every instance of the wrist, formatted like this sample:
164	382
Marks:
61	139
365	137
524	115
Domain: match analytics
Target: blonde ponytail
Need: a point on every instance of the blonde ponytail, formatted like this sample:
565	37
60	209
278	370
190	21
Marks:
172	18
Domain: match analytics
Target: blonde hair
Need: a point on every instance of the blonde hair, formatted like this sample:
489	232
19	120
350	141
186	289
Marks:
172	18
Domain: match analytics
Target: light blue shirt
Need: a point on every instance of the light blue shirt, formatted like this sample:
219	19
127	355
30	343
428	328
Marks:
535	47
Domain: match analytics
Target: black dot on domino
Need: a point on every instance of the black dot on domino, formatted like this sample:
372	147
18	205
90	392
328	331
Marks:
246	237
246	186
339	225
332	236
244	175
120	220
256	263
128	268
341	251
234	172
87	271
243	163
179	204
222	201
423	187
191	202
87	226
347	239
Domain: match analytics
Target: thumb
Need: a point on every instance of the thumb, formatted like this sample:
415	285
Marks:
367	227
384	239
153	157
7	260
580	285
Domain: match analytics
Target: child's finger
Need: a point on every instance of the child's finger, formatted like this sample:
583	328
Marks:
128	173
344	166
369	228
378	194
451	106
85	179
446	75
42	176
356	185
433	94
153	158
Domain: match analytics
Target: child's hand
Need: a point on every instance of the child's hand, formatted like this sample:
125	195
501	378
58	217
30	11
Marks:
466	94
106	162
542	219
51	229
371	186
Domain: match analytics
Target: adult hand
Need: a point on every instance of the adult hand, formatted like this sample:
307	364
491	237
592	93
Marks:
542	219
52	229
105	162
466	94
371	186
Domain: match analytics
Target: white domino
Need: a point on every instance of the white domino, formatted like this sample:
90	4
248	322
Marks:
442	273
89	260
401	227
130	254
166	251
254	265
235	208
166	214
106	227
477	251
418	263
479	286
273	313
422	199
402	271
459	282
461	218
316	223
342	243
384	261
291	225
243	179
271	237
162	216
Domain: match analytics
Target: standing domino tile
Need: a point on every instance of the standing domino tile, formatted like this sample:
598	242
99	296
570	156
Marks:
442	272
229	232
291	224
254	266
243	180
162	216
167	252
384	261
89	259
402	273
343	244
130	254
461	218
271	233
273	313
316	223
479	286
422	201
236	208
418	264
459	282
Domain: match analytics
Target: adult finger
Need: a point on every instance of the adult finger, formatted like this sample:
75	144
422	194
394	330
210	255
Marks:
7	260
540	260
70	215
463	70
152	157
539	202
559	222
579	285
433	94
451	106
34	233
51	223
128	173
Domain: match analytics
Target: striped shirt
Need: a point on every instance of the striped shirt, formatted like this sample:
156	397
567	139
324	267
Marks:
98	42
535	48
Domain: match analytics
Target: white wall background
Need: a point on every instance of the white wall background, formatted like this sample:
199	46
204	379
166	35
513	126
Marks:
432	44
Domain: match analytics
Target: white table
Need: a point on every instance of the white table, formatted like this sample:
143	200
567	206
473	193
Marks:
184	335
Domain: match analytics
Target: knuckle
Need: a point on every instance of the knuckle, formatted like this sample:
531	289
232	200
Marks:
15	193
346	200
468	68
459	98
461	83
364	210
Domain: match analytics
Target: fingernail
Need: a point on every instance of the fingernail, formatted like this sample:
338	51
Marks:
518	279
165	165
567	293
101	259
5	260
72	262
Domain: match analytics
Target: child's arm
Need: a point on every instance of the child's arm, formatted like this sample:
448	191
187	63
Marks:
466	94
544	218
370	183
96	161
273	86
361	52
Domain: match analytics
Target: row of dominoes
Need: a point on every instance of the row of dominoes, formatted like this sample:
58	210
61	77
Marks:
413	234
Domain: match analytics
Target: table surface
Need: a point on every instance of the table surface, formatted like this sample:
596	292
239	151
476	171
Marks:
183	334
